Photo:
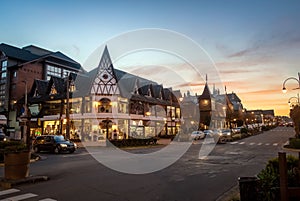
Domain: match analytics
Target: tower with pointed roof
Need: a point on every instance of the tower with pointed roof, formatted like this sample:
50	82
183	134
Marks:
105	81
205	107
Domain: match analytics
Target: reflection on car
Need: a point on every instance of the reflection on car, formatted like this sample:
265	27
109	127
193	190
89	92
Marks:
225	135
53	143
197	135
209	133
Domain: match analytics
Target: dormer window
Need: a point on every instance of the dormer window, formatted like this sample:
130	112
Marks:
53	90
149	92
36	93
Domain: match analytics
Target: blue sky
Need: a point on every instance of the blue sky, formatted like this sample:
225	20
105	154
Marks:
255	44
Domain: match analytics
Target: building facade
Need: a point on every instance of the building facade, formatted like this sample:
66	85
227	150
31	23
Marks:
19	68
97	104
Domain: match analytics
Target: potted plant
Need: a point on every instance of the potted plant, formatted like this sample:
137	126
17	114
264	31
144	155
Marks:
16	159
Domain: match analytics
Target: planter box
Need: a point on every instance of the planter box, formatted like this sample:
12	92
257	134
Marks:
16	165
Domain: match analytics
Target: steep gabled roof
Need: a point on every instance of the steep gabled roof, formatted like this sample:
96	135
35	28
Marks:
233	97
206	93
39	86
127	86
157	91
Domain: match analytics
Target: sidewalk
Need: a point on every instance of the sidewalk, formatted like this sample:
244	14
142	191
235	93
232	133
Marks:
7	184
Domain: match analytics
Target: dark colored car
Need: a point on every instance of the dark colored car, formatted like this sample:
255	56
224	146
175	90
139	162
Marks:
53	143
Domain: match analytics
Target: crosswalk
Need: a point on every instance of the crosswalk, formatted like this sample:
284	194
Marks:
16	195
254	143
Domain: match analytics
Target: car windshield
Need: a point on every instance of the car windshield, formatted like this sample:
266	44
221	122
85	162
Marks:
59	138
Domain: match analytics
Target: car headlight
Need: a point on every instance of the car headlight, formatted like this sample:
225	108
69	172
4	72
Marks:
228	133
75	145
63	145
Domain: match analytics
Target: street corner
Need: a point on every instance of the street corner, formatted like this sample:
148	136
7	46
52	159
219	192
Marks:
9	183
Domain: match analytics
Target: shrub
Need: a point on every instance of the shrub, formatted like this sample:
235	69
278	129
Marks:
11	146
269	178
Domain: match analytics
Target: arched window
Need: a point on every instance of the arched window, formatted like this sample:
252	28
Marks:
104	106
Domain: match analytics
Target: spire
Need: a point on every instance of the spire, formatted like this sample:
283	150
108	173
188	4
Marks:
206	78
105	80
105	61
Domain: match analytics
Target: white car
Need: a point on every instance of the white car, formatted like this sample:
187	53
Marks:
197	135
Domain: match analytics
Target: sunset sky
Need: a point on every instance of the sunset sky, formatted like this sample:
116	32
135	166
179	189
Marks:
255	45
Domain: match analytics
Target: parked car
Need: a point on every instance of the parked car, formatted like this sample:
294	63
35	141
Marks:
53	143
226	134
197	135
209	133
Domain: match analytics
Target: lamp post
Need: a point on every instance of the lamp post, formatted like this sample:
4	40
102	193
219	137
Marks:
68	110
70	88
25	118
284	90
297	100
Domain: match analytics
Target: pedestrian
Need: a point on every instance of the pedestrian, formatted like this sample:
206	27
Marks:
115	134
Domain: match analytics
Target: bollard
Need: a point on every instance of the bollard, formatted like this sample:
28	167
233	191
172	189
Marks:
248	188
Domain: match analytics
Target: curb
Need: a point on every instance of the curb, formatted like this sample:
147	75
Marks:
7	184
232	193
32	160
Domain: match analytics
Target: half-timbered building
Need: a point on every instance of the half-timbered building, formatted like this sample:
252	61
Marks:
102	102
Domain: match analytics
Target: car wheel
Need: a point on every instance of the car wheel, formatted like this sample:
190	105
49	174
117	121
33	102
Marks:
222	140
56	150
36	149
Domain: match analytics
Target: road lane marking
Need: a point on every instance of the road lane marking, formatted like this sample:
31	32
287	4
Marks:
267	144
233	142
275	144
242	142
259	144
20	197
47	199
12	190
252	143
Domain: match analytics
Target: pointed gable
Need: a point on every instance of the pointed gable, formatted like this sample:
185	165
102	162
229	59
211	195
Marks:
105	80
39	88
206	92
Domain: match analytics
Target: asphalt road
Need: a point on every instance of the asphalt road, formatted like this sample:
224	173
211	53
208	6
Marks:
79	176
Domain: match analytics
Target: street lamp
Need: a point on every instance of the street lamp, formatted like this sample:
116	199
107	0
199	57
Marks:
70	88
284	90
297	100
25	118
